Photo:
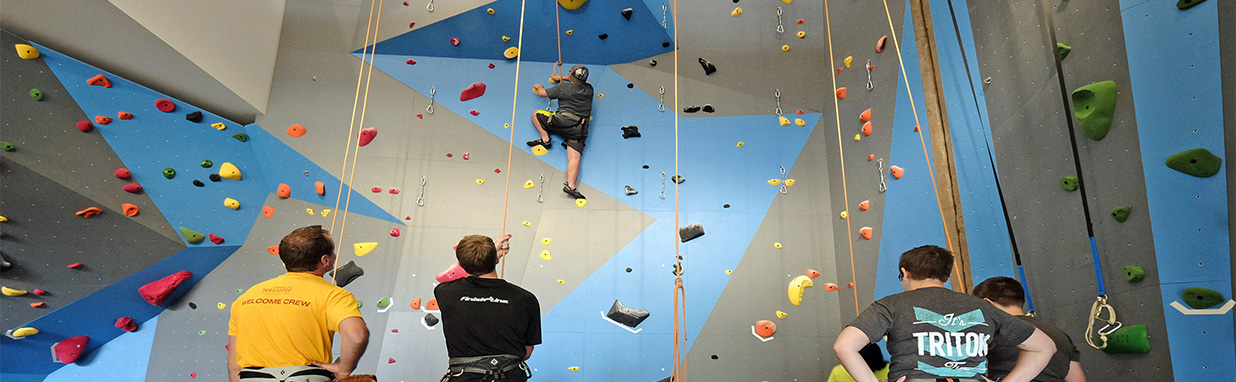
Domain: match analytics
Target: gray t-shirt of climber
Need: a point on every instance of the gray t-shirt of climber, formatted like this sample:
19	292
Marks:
937	333
572	98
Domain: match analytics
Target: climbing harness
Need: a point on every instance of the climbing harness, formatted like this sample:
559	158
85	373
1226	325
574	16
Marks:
845	192
777	94
510	151
432	90
540	192
661	107
784	188
430	6
780	28
869	69
306	373
662	184
883	186
493	368
420	201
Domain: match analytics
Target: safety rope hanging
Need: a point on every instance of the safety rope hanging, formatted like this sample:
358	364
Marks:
680	306
849	235
510	151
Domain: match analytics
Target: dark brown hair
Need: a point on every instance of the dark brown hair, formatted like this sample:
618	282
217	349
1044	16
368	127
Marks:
1005	291
477	254
303	248
928	262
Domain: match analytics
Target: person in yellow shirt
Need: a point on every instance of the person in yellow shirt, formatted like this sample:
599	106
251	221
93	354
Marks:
875	360
283	329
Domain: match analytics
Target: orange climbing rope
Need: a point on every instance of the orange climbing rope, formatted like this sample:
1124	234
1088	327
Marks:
849	235
510	151
680	326
922	141
352	124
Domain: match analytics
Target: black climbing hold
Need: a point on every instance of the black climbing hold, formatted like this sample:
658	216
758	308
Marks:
5	264
192	306
215	177
630	191
241	137
678	179
690	232
628	270
626	13
630	85
1197	162
347	273
1069	183
1202	298
431	319
194	116
652	62
630	132
1121	213
690	109
198	183
726	206
1186	4
708	108
714	356
665	44
1133	273
709	68
645	167
603	36
626	316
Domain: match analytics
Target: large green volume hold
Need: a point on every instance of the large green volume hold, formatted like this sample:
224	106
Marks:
1202	298
1095	107
1197	162
191	236
1130	339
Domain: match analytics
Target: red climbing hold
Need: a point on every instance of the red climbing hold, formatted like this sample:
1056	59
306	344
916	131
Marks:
411	25
157	292
88	212
838	69
124	115
367	135
407	218
394	330
916	128
415	304
452	273
133	188
811	273
851	285
411	62
193	375
880	44
84	126
420	116
99	80
284	191
321	187
799	112
448	155
394	232
472	91
432	304
75	265
268	211
296	130
376	189
273	250
393	191
405	3
474	112
126	324
491	66
864	205
867	129
841	93
455	41
129	209
39	292
70	349
896	171
800	21
497	170
165	105
215	238
102	120
865	116
465	156
390	360
865	232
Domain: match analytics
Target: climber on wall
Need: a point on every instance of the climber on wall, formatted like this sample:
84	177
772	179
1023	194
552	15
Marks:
285	326
574	95
1008	295
490	325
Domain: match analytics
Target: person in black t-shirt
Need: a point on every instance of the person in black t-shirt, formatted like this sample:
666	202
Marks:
574	95
490	325
1008	295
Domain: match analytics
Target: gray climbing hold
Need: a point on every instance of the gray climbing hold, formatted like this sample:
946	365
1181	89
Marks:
1198	162
626	316
1121	213
1202	298
347	273
431	319
1069	183
678	179
4	263
631	191
1133	273
690	232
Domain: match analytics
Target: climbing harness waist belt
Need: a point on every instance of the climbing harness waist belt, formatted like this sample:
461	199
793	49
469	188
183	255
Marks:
571	117
944	380
493	367
307	373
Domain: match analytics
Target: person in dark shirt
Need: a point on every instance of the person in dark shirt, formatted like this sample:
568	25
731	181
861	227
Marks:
574	95
935	333
490	325
1008	295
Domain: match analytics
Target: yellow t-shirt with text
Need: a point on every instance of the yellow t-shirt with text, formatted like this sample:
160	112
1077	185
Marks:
289	320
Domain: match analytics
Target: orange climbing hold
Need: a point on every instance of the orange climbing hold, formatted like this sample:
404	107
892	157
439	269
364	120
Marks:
90	212
811	273
99	80
124	115
896	171
273	250
830	287
102	120
321	187
268	211
36	304
864	205
865	232
867	129
880	44
432	304
865	116
765	328
870	157
297	130
415	304
841	93
129	209
284	191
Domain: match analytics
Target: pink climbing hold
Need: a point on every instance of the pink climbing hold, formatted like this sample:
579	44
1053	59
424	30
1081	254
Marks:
393	191
465	156
880	44
84	126
497	171
474	112
390	360
133	188
394	232
193	375
394	330
126	324
376	189
157	292
455	41
448	155
472	91
165	105
420	116
405	3
411	62
70	349
452	273
215	238
75	265
367	135
39	292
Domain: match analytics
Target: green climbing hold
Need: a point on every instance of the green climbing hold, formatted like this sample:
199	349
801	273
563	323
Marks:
169	173
1095	107
1133	273
1197	162
1121	213
1186	4
36	94
7	147
1069	183
1129	339
1202	298
206	163
191	236
384	302
359	304
1063	50
201	332
241	137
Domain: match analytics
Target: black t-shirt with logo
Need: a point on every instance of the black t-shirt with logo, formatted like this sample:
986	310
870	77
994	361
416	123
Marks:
483	317
1004	357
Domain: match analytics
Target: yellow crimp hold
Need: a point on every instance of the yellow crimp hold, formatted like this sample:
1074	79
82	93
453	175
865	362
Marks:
789	182
527	223
221	306
22	332
490	10
777	245
546	241
858	137
775	182
781	314
570	32
364	248
511	53
545	255
737	11
802	34
218	126
796	289
505	39
26	52
581	202
800	122
848	60
571	5
573	368
740	144
480	181
845	214
785	48
3	219
783	120
325	212
561	282
12	292
529	184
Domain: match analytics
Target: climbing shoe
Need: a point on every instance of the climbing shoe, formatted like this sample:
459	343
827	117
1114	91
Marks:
572	191
539	142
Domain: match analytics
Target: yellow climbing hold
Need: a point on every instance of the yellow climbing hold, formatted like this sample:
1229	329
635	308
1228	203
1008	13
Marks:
800	122
601	95
787	1
221	306
571	5
27	52
789	182
229	171
506	125
737	11
22	332
231	203
783	120
848	60
539	150
505	39
561	282
781	314
845	214
511	53
364	248
802	34
309	210
527	223
325	212
775	182
796	289
3	219
729	271
858	137
740	144
480	181
545	255
573	368
529	184
546	241
490	10
777	245
218	126
570	32
581	202
785	48
12	292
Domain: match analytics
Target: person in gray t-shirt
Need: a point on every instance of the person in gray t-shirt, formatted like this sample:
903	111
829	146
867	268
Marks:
574	95
935	333
1007	294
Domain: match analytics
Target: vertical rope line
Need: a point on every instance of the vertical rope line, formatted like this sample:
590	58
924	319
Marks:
352	124
364	106
849	236
510	150
948	241
680	369
558	24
